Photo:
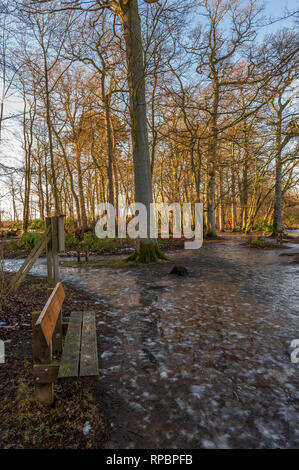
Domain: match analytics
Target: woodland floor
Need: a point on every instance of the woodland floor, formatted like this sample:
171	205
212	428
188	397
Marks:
24	423
201	361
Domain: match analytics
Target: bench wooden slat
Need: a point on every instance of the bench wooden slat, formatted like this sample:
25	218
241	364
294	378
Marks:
89	357
46	322
69	366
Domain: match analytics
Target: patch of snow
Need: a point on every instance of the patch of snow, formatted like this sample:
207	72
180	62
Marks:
9	326
208	444
106	354
180	403
86	428
164	374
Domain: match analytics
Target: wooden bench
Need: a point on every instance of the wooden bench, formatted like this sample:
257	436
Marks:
76	340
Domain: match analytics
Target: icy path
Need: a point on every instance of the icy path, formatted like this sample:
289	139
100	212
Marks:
202	361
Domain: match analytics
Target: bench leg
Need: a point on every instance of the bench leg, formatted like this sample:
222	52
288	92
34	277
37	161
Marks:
44	393
42	354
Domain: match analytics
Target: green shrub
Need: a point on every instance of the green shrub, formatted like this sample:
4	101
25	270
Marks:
71	241
256	242
92	243
27	242
89	243
70	222
101	244
13	244
37	224
267	228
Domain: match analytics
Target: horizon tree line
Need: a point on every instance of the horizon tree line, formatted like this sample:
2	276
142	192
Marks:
170	101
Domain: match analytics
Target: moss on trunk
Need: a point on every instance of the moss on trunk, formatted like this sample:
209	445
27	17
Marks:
148	252
210	234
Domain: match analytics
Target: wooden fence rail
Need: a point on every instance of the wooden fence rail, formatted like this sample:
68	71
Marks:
53	241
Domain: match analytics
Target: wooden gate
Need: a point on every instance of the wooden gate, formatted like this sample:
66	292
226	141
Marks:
54	241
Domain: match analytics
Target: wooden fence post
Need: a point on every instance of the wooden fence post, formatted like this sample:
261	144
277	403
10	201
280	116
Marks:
50	276
61	236
54	225
30	260
53	240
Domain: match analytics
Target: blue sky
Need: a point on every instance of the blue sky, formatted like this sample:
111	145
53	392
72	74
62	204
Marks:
12	152
275	9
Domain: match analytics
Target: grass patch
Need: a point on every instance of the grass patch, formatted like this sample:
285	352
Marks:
117	263
98	262
25	423
262	243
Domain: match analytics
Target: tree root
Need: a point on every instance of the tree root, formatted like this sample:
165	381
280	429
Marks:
147	253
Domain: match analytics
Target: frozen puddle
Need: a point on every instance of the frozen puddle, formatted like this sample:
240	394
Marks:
198	362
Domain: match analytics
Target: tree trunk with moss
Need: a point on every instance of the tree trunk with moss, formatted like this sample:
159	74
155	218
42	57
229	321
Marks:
147	249
212	163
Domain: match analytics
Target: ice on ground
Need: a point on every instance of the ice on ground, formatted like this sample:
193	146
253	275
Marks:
86	428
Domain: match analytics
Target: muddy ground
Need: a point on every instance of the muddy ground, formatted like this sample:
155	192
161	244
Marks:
202	361
24	423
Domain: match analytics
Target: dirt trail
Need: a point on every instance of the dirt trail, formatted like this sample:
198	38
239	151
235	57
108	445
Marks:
202	361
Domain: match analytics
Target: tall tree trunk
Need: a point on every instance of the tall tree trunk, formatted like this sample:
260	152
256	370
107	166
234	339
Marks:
211	229
28	141
277	220
147	249
82	209
13	195
49	127
47	187
26	209
221	201
154	131
41	199
69	171
233	191
244	196
105	98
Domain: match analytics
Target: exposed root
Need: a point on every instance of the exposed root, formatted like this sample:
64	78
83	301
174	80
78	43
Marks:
147	253
211	234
